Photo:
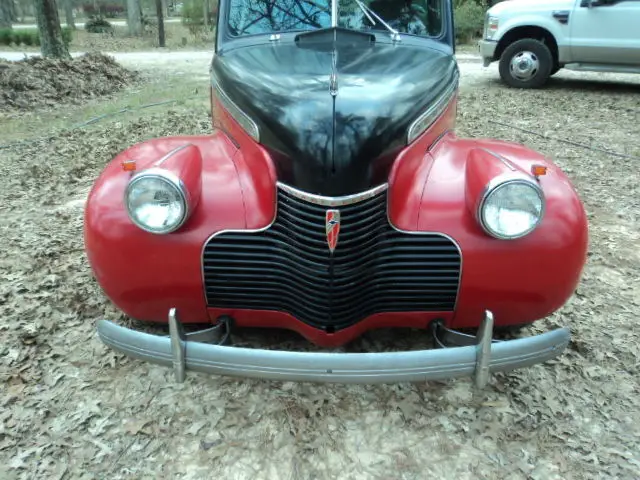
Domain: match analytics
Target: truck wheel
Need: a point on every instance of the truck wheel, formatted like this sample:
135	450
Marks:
526	63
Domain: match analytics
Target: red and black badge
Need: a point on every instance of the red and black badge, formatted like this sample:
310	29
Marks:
332	224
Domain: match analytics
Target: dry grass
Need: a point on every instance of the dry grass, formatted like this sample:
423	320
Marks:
73	409
177	37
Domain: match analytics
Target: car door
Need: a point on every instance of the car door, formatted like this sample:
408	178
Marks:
605	31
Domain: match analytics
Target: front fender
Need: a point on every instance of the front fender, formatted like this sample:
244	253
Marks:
146	274
519	280
542	20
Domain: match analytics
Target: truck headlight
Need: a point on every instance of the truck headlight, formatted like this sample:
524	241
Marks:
511	209
156	201
490	27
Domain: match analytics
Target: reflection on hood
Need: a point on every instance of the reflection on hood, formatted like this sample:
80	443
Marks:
340	142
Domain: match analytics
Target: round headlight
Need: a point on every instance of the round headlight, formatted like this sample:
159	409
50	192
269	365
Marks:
511	209
156	202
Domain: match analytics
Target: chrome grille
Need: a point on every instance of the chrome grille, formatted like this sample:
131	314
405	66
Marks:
374	269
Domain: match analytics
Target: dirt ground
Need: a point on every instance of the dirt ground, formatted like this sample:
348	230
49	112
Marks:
70	408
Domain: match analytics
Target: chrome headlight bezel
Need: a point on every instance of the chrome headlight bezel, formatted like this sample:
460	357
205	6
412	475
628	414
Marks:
494	186
174	183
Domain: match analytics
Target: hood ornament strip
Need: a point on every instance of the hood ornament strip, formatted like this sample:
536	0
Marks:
333	80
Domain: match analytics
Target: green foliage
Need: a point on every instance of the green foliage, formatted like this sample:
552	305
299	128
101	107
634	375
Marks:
6	34
193	15
98	25
28	37
469	20
67	35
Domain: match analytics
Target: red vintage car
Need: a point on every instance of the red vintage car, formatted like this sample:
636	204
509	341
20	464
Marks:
331	198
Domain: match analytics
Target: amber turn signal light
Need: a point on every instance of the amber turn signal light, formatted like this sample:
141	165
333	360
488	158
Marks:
129	165
538	170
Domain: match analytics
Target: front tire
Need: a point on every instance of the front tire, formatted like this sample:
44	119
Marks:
526	63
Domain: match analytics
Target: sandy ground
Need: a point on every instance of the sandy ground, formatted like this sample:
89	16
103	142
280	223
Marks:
197	63
70	408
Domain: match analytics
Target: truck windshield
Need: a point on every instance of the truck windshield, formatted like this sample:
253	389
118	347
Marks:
414	17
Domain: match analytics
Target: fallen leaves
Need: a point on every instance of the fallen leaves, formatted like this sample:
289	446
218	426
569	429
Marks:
36	82
71	405
135	426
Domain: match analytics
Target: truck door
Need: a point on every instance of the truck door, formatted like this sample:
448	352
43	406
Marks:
605	31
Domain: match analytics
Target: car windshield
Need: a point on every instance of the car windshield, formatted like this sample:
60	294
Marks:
415	17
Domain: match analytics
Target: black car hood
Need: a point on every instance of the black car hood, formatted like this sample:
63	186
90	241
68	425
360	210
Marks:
333	114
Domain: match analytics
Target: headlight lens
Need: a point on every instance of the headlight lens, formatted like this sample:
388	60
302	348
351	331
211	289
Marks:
512	209
156	202
490	27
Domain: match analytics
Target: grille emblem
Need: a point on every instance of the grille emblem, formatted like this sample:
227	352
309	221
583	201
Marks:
332	226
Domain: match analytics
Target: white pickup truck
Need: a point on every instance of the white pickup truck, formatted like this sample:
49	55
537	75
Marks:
533	39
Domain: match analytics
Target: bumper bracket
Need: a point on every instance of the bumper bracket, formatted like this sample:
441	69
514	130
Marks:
483	354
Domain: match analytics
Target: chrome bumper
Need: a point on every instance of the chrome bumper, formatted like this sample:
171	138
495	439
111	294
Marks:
487	51
477	360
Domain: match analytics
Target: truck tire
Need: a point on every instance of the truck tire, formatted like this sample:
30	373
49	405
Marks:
526	63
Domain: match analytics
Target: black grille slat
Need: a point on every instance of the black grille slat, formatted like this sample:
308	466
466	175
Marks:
374	269
249	280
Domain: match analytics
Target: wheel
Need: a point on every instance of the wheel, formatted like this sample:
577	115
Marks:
555	70
526	63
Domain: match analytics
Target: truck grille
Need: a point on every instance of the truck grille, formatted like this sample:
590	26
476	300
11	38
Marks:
288	267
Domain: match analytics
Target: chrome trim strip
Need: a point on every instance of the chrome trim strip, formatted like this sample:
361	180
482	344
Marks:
500	181
507	163
333	201
251	128
334	14
424	121
171	153
171	178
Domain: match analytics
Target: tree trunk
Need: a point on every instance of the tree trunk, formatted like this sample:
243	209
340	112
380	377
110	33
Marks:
68	14
51	44
6	13
134	19
205	7
160	23
165	10
22	10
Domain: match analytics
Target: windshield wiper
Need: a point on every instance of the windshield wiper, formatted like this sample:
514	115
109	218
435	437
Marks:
395	36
